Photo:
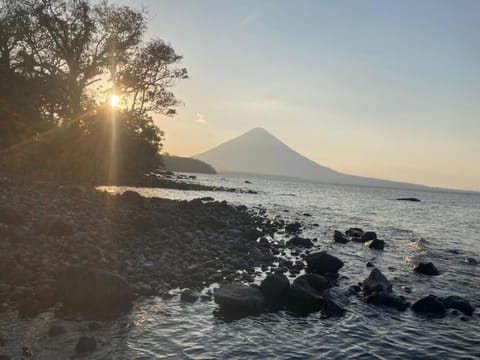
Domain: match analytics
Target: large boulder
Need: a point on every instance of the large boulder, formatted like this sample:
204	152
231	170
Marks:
318	282
376	282
322	263
338	237
426	268
275	288
94	293
387	299
237	298
299	241
458	303
303	298
430	304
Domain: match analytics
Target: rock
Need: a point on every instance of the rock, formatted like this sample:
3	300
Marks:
430	304
387	299
86	344
239	298
409	199
301	242
275	288
132	197
207	198
303	298
426	268
321	263
318	282
27	351
338	237
458	303
470	260
188	295
52	226
94	293
369	264
293	227
331	308
376	282
252	234
369	235
10	215
375	244
355	232
356	239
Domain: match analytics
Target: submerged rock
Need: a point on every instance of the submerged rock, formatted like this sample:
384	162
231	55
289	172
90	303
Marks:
94	293
409	199
86	344
189	295
458	303
338	237
387	299
299	241
430	304
426	268
303	298
322	263
239	298
318	282
354	232
376	282
375	244
331	308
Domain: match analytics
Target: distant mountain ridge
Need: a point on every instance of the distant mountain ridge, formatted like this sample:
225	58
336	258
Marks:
184	164
259	152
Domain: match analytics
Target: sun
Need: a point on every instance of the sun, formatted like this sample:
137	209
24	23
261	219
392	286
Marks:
114	101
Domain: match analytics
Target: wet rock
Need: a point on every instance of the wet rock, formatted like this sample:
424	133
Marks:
322	262
275	288
86	344
27	351
252	234
338	237
369	235
458	303
356	239
318	282
331	308
354	232
10	215
132	197
375	244
369	264
409	199
353	289
293	227
303	298
94	293
426	268
430	304
470	260
376	282
387	299
299	241
239	298
189	295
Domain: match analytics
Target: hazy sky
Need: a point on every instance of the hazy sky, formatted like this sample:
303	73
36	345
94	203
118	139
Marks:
387	89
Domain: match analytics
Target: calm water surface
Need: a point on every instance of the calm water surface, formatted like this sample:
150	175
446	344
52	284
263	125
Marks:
443	228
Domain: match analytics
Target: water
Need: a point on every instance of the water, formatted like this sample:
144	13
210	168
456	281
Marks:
444	228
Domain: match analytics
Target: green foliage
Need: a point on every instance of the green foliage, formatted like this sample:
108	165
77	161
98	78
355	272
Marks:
59	62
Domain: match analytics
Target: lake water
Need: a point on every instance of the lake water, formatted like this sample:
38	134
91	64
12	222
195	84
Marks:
443	228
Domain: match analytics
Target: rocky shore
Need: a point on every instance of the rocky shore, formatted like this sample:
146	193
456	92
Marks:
155	245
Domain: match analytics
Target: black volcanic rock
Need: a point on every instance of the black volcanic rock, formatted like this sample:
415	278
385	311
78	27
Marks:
322	263
458	303
369	235
338	237
430	304
357	232
409	199
376	282
293	227
426	268
237	298
299	241
376	244
275	288
387	299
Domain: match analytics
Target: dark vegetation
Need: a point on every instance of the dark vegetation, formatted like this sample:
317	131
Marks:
60	61
183	164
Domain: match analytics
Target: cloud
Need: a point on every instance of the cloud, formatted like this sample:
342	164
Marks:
200	119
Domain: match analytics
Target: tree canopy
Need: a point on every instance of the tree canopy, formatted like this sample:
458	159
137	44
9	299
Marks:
60	60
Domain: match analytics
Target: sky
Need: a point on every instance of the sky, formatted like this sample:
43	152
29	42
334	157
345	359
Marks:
376	88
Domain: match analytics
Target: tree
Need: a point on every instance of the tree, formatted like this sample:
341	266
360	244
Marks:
62	58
